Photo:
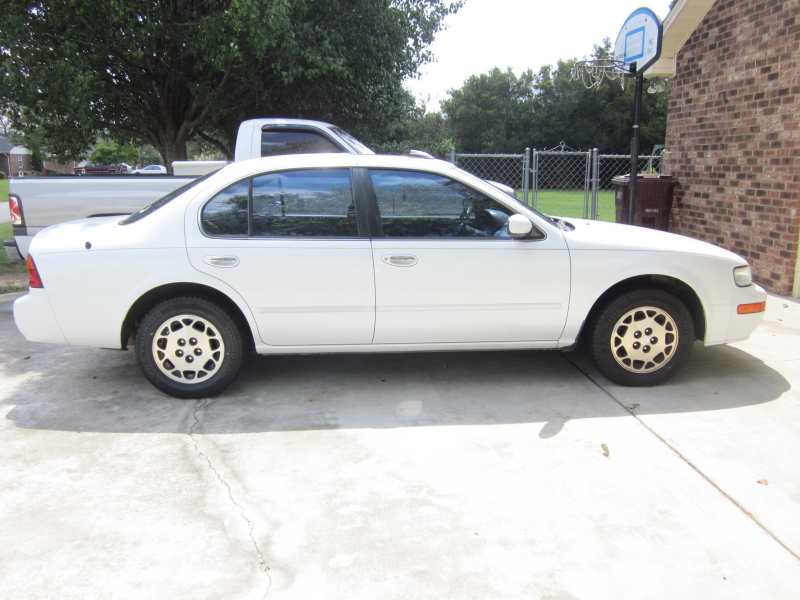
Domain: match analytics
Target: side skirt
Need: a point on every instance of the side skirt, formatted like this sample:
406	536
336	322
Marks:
438	347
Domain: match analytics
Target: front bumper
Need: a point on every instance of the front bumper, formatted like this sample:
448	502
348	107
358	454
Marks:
740	327
35	318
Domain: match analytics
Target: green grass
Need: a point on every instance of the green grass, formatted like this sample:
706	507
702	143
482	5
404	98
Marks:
569	203
3	190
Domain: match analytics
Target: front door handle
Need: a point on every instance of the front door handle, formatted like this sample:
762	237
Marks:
221	261
399	260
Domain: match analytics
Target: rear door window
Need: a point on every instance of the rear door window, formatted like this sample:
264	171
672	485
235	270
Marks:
303	203
313	203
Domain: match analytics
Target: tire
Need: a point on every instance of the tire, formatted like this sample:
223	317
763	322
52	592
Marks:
641	338
204	361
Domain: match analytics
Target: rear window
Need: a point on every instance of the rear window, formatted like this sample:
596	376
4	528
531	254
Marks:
150	208
277	142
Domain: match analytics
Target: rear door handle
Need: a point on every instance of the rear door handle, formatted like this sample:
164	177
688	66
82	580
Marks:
399	260
221	261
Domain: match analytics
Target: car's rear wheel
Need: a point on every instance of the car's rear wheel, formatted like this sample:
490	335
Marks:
189	347
641	338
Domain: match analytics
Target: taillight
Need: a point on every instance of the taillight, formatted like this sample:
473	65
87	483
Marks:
16	214
35	280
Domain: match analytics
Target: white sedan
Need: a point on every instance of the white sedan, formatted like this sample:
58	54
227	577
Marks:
150	170
344	253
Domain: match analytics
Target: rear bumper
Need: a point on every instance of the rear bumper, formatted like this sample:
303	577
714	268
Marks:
24	240
35	318
12	252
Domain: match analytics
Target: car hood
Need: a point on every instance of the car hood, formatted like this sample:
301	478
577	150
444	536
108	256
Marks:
600	235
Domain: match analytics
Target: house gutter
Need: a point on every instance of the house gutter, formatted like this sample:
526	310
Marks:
679	24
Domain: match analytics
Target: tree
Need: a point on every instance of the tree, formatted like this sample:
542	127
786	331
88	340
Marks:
114	154
413	130
491	112
564	110
5	125
499	112
162	73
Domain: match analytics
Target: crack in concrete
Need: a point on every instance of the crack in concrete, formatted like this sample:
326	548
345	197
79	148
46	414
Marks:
262	566
682	457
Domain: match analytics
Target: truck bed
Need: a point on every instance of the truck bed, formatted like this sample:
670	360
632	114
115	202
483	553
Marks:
47	201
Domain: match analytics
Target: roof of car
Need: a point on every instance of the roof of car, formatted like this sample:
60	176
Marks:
330	160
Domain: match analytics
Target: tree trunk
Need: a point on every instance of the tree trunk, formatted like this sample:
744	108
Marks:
171	151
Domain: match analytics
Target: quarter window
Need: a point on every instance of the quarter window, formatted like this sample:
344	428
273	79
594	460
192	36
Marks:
310	203
283	141
414	204
226	214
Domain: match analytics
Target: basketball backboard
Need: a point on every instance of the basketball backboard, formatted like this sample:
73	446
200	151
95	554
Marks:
639	40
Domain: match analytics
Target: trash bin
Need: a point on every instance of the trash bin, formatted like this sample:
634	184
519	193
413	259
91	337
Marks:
654	195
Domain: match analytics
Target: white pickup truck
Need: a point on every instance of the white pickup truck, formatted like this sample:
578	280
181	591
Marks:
39	202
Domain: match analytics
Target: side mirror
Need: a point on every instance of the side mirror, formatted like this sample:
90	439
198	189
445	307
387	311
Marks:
519	225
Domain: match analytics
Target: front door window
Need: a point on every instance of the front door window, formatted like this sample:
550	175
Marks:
428	205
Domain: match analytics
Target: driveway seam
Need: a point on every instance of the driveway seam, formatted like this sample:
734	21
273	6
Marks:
682	457
262	566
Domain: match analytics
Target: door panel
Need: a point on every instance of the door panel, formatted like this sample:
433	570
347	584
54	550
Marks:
289	243
447	269
301	292
463	291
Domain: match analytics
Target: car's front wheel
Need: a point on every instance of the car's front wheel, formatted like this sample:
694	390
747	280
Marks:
189	347
641	338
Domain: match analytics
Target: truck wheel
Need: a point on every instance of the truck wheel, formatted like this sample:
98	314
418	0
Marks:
641	338
189	347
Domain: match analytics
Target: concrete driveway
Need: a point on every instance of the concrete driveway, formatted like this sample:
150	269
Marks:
470	475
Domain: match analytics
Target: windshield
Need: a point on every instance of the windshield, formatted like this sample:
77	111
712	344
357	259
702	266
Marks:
150	208
362	149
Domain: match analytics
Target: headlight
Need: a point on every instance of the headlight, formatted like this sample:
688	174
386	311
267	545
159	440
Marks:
743	276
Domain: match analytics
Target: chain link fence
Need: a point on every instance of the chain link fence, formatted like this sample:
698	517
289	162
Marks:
503	168
563	183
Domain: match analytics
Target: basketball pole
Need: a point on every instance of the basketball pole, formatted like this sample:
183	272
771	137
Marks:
637	115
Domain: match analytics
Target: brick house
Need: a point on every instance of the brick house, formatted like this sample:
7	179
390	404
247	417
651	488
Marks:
733	130
14	159
67	168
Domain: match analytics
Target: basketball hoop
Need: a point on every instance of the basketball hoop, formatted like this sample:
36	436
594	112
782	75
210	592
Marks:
592	72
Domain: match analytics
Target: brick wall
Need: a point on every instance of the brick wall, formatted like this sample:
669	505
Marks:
26	163
67	168
733	136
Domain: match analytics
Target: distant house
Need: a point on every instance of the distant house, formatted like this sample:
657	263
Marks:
733	129
66	168
14	159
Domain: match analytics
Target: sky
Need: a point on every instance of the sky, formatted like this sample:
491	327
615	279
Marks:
520	34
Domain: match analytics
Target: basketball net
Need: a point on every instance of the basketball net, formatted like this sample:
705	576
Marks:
592	72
